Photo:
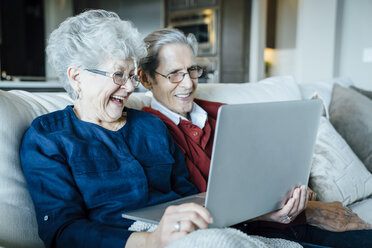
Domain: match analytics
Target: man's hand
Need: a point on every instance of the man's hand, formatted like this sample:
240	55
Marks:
311	195
333	216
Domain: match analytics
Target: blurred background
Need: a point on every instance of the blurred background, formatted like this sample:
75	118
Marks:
240	40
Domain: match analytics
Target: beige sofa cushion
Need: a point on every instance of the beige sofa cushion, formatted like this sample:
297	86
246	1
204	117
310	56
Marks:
18	226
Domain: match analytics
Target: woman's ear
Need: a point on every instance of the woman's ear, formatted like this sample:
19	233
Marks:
146	80
73	74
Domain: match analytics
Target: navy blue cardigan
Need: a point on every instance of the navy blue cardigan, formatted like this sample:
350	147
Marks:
82	177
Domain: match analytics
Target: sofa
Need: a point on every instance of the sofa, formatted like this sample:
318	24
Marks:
337	172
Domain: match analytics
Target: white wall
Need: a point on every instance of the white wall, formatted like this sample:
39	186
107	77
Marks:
331	39
286	23
284	56
316	32
355	35
258	40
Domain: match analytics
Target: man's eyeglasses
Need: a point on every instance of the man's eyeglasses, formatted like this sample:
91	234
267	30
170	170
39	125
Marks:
195	72
118	77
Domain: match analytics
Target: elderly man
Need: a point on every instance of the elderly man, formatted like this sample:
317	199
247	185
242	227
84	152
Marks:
171	73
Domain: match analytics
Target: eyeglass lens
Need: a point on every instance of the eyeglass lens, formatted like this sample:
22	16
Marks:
121	79
194	72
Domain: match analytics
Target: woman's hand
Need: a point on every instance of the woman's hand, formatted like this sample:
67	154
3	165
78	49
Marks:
177	222
333	216
292	207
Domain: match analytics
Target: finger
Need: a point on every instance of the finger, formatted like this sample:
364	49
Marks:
287	198
190	216
302	201
360	223
282	213
303	198
307	199
187	226
203	212
356	226
311	194
296	198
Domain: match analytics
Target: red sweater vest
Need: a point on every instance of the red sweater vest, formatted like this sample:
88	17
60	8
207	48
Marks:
195	143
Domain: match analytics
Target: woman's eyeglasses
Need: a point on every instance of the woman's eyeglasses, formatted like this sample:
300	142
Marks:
118	77
195	72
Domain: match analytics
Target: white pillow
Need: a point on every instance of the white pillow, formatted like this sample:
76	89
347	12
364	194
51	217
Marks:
282	88
337	174
363	209
323	89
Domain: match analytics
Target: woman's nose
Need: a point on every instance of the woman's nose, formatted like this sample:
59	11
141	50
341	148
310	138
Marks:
128	86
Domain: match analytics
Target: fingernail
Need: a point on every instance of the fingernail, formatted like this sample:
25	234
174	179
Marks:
210	220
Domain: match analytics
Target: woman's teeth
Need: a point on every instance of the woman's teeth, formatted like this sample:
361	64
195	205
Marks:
118	98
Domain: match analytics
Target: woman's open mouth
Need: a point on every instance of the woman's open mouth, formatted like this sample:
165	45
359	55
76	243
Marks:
118	100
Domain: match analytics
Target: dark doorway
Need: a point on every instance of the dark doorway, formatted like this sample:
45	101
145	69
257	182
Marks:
22	39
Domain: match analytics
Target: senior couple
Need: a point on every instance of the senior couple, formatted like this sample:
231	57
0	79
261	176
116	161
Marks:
87	164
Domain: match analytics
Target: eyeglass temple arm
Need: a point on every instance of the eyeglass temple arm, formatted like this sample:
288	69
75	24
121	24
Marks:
101	72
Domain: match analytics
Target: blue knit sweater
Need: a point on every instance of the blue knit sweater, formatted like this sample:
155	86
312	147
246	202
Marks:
82	177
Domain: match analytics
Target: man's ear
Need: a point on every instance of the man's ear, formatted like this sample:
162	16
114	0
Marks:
146	80
73	74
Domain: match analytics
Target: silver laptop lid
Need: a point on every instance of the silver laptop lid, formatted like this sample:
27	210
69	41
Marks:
260	151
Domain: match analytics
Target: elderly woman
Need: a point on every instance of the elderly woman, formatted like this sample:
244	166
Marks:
171	73
87	164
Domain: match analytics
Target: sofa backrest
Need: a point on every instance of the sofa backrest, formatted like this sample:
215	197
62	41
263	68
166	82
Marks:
18	226
283	88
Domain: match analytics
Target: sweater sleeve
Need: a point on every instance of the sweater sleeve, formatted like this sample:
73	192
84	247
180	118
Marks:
61	214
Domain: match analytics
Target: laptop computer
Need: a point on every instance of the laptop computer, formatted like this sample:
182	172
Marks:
261	151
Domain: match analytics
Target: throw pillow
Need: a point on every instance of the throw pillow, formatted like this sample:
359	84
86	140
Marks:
351	114
337	174
323	88
363	92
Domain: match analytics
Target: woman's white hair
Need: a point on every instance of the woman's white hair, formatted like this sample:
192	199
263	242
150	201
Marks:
157	39
90	39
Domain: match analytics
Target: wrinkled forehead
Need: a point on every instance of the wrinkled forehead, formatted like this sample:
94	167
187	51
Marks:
175	56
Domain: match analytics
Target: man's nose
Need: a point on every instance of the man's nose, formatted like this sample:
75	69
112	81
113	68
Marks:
187	82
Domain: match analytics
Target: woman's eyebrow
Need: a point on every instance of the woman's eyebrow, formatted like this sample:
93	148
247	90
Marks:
123	68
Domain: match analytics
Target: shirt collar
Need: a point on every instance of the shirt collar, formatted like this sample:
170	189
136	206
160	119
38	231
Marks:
198	115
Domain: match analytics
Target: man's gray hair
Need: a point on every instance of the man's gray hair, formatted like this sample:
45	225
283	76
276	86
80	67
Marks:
89	40
157	39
